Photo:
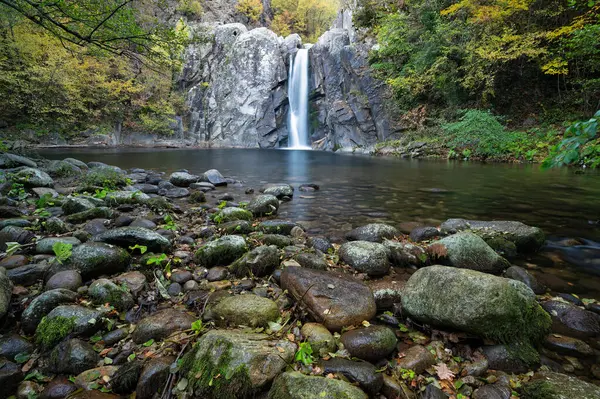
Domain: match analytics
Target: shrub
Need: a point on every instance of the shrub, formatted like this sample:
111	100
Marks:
190	8
105	177
250	8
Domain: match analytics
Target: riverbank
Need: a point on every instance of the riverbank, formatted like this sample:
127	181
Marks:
116	281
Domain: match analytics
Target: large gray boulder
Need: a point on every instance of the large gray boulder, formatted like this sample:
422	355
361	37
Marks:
478	303
244	363
549	385
366	257
236	91
469	251
31	177
526	238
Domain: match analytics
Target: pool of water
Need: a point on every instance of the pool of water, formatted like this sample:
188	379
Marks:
357	189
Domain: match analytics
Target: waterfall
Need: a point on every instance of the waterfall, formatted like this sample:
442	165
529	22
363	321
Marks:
298	96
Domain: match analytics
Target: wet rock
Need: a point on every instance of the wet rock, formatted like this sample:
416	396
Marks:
42	305
56	226
433	392
44	246
260	262
526	238
94	213
571	320
5	292
10	377
62	169
192	286
9	161
129	236
374	232
246	310
88	380
276	239
295	385
31	177
367	257
114	336
162	324
202	185
416	358
236	227
522	275
181	276
319	337
468	251
387	292
28	389
145	223
177	192
568	346
29	274
105	291
96	226
10	262
250	360
197	197
363	373
424	233
405	254
221	251
474	302
183	179
276	226
392	388
174	289
12	345
126	378
67	279
77	204
334	299
64	320
502	246
97	258
153	377
217	273
263	205
15	234
493	391
278	190
560	386
321	244
213	177
124	220
134	281
59	388
311	261
571	298
371	343
146	188
511	358
72	356
10	212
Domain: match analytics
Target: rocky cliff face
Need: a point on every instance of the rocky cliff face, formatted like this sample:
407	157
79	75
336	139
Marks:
237	89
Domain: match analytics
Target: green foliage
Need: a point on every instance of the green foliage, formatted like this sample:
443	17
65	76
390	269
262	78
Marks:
492	53
197	327
17	191
190	8
107	178
304	354
142	248
12	248
580	145
169	223
309	18
62	251
157	260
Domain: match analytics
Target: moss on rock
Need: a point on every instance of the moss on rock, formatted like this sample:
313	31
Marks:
51	331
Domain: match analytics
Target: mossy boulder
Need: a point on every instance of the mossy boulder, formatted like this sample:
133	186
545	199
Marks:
260	262
263	205
295	385
77	204
129	236
277	226
62	169
320	339
372	343
94	213
221	252
492	307
236	227
31	177
232	364
105	176
245	310
105	291
116	198
278	190
72	356
97	258
549	385
67	320
526	238
276	239
469	251
42	305
232	213
5	292
8	161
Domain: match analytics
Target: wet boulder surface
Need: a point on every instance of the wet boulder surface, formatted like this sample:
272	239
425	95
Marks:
188	285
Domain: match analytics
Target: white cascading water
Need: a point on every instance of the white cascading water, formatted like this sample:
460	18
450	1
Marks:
298	95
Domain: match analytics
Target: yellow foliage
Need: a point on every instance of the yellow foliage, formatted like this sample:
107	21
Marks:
250	8
309	18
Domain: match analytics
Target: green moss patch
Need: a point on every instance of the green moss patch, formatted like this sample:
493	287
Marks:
51	331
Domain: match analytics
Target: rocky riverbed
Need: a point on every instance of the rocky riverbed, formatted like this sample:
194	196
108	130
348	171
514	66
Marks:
116	282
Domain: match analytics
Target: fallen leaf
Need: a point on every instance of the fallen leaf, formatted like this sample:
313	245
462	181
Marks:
330	376
280	349
443	372
291	337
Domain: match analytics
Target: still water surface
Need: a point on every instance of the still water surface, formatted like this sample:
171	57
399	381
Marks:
357	189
